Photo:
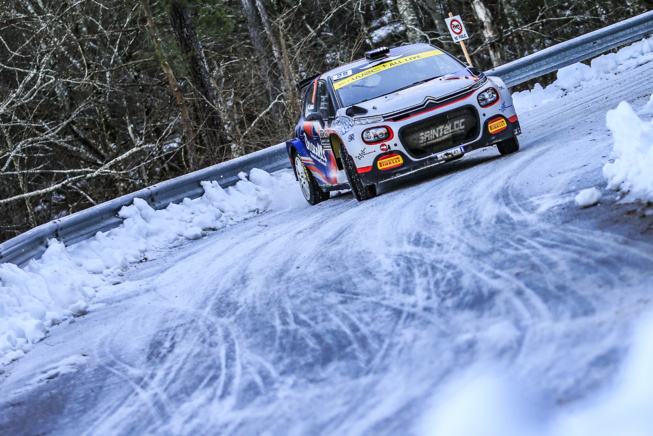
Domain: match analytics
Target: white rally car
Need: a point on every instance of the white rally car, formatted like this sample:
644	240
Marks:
395	112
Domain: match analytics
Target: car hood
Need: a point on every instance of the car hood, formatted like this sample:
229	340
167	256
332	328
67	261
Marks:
415	95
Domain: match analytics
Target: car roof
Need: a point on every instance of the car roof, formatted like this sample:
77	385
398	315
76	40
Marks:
363	62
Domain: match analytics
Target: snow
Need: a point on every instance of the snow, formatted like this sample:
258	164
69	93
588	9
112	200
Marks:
537	96
474	301
66	366
481	405
588	197
500	407
61	284
631	168
649	105
578	75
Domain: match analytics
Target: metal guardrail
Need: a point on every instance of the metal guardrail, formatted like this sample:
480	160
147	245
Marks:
103	217
575	50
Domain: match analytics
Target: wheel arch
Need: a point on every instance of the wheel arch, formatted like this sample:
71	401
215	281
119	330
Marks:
336	145
295	146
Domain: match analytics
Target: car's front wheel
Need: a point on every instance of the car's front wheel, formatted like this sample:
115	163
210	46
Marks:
310	189
360	191
508	146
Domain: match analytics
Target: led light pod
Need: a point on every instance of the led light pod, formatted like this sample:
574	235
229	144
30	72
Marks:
377	53
376	134
488	97
368	120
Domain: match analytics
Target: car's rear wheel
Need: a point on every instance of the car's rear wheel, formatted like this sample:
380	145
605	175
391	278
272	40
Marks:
508	146
310	189
360	191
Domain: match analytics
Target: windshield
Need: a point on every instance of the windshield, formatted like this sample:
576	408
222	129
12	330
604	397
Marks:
393	74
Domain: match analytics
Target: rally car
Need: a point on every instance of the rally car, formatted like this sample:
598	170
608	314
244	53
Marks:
392	113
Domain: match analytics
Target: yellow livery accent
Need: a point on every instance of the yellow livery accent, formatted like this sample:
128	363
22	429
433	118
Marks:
497	126
385	66
392	161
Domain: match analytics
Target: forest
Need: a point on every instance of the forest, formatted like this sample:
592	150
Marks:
99	98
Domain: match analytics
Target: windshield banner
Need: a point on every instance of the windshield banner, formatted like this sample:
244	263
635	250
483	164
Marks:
385	66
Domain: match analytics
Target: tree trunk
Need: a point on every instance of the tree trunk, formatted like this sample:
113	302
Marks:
409	18
512	18
281	56
253	26
270	76
292	95
172	81
267	26
207	102
489	31
438	15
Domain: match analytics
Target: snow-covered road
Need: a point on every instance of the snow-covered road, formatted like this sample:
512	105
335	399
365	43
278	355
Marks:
356	318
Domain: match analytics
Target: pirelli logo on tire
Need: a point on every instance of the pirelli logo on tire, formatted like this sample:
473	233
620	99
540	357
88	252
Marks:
497	125
389	162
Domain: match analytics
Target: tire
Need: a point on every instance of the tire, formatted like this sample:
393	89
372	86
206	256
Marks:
508	146
309	187
360	191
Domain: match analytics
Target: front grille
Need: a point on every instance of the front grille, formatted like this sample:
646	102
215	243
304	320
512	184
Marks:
441	132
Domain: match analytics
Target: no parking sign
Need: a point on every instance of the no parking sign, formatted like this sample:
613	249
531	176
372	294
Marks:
457	28
458	33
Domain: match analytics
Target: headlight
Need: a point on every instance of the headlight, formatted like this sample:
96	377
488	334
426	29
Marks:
488	97
368	120
376	134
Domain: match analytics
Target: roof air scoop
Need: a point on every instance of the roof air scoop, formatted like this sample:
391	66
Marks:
377	53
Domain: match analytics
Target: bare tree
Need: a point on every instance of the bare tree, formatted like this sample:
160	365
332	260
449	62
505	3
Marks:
207	102
174	87
490	32
408	16
269	75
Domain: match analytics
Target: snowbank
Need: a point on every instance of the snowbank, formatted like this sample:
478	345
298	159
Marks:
631	166
499	407
577	75
63	281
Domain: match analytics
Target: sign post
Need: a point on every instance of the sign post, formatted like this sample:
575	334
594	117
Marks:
458	33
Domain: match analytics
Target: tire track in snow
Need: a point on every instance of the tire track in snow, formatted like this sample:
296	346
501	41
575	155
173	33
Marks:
346	317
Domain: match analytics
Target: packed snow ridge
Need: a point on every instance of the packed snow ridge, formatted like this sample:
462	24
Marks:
65	279
579	75
630	169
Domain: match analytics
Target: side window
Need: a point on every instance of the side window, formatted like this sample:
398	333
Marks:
309	100
323	101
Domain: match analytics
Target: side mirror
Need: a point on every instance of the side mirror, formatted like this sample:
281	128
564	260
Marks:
315	116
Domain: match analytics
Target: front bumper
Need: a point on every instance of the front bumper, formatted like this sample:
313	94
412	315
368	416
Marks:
386	165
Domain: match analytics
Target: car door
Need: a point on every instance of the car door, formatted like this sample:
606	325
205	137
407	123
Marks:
315	136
